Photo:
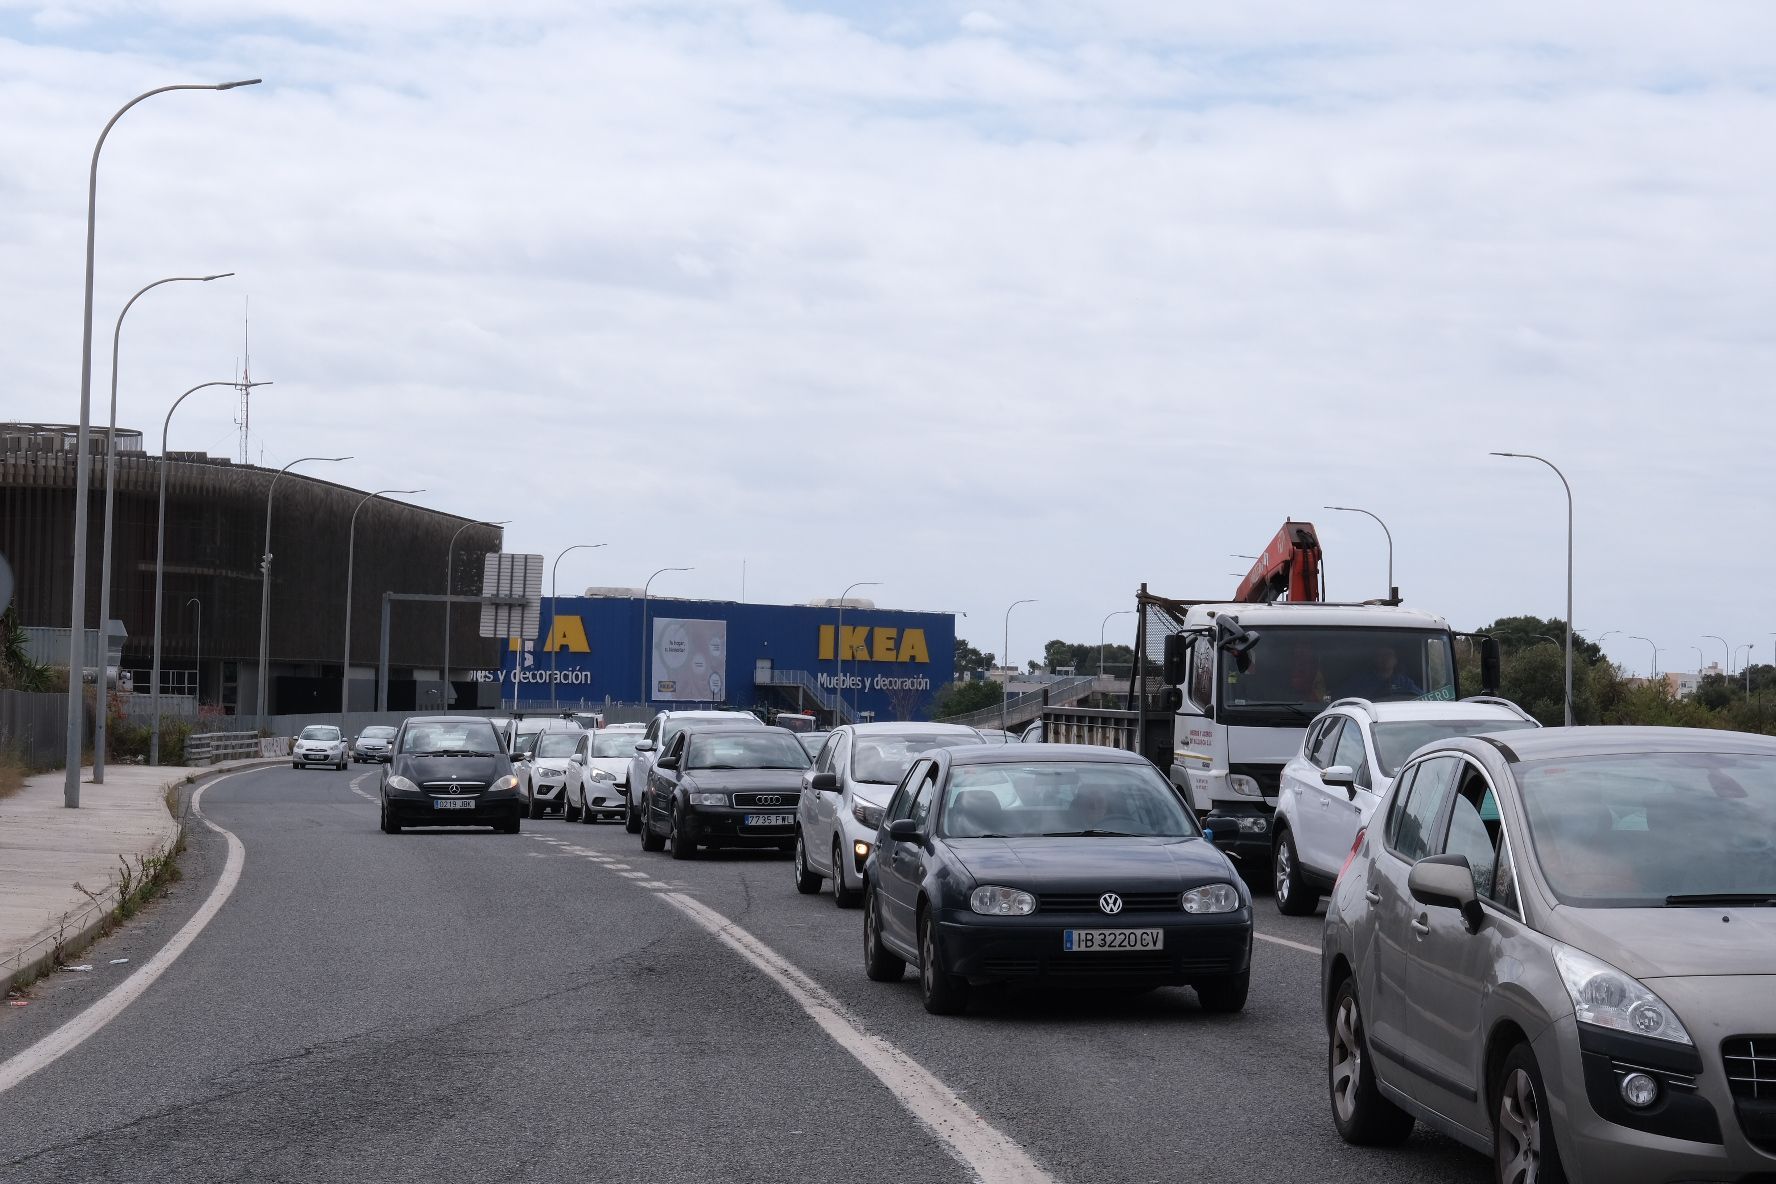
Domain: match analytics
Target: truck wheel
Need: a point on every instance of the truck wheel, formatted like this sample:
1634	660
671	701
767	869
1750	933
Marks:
1293	897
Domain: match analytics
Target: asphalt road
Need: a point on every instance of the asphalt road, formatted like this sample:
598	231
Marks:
471	1006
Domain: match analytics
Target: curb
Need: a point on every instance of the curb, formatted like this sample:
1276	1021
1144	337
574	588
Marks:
81	926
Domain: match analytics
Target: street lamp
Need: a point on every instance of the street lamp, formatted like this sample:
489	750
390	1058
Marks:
99	720
839	650
83	462
1728	669
160	569
449	574
1127	612
351	540
1569	570
1655	649
1002	698
554	642
1390	539
1699	660
199	686
264	680
646	696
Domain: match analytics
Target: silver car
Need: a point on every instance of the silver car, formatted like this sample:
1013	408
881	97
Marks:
1558	946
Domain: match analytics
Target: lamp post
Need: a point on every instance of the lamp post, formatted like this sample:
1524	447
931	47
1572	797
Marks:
262	701
199	687
1569	570
554	642
1728	668
839	651
1745	669
160	570
1127	612
1002	698
646	695
1699	660
99	720
83	462
351	540
1654	648
449	573
1390	539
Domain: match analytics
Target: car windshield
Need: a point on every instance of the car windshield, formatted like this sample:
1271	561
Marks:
739	750
615	743
320	732
557	744
1061	799
457	737
376	733
669	732
1396	741
1294	670
1646	829
884	759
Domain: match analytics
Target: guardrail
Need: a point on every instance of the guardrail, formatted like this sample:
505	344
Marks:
206	748
1019	709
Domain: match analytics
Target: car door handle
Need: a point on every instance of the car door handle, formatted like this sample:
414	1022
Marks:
1421	924
1372	896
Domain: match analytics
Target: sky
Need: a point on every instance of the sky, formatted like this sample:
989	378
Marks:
1041	299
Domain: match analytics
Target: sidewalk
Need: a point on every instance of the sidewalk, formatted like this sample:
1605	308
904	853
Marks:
45	849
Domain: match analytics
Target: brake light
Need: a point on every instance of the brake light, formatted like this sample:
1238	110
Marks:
1356	844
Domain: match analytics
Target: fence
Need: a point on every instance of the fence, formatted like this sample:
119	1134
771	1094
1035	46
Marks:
1020	709
206	748
36	725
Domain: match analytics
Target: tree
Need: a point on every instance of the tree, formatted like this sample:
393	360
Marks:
970	662
1521	633
17	671
1082	656
959	698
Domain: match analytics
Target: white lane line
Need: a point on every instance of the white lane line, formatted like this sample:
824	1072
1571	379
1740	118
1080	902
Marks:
71	1034
634	875
992	1156
1283	941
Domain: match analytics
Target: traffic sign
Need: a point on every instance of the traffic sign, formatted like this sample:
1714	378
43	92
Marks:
509	577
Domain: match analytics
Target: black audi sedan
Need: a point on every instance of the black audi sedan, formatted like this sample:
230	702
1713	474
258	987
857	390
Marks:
724	787
449	770
1057	863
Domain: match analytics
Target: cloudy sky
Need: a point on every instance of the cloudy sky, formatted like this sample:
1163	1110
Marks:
1039	299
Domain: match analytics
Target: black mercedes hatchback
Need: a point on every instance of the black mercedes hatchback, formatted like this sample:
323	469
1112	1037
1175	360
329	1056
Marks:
449	770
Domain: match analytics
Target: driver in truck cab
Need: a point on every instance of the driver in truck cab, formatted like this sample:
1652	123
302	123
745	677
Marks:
1384	679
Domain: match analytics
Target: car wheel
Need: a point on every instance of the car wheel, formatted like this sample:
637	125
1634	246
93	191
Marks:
1293	897
295	764
845	898
683	847
587	818
649	840
631	818
512	827
389	827
942	992
1523	1148
807	882
1360	1113
535	810
881	964
1224	995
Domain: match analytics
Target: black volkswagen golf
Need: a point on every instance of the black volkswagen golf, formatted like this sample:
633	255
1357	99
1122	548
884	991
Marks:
449	770
1063	864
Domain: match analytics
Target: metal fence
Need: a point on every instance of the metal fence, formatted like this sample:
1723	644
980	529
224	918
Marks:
34	725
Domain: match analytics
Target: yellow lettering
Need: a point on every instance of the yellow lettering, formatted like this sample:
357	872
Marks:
884	644
855	643
567	633
826	643
515	644
912	646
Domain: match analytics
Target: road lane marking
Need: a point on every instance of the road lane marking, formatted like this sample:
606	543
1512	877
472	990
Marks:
992	1156
73	1033
1283	941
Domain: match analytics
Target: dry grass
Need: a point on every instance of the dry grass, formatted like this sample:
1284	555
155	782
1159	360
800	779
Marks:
13	772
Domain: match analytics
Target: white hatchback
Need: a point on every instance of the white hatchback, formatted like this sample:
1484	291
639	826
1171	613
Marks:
1347	761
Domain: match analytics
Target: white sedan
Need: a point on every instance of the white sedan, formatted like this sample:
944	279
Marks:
319	744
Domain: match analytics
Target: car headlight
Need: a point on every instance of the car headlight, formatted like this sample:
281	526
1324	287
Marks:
1245	786
1254	825
870	816
709	799
993	901
402	785
1212	898
603	775
503	784
1606	998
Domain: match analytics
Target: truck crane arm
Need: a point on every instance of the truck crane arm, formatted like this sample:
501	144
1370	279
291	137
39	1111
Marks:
1287	569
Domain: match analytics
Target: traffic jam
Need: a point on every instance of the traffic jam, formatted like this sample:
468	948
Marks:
1551	945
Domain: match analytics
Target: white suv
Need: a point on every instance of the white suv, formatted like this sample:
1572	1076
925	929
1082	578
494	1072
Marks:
1346	764
843	794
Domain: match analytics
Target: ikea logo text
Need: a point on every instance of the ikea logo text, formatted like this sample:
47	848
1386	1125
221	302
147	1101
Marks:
861	643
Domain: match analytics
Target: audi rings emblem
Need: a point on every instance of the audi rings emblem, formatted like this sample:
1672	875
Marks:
1110	903
769	799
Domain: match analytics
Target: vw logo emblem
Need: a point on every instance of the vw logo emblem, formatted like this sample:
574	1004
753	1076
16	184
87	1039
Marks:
1110	903
770	799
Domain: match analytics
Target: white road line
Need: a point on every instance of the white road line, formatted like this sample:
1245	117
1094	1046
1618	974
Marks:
71	1034
992	1156
634	875
1283	941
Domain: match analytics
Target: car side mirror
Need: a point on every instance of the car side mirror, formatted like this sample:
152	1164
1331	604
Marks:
645	746
579	758
824	783
1341	777
1446	881
666	762
1209	835
903	830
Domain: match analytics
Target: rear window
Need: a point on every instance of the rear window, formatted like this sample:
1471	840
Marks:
1396	741
884	759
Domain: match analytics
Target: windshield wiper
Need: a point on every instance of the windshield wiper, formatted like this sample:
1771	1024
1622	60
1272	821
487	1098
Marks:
1089	834
1707	899
1297	708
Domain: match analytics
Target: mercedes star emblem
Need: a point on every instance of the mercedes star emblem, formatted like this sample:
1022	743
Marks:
1110	903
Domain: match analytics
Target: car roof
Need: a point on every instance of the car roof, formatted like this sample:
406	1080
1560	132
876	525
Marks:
706	714
912	728
1010	754
448	719
1390	711
1537	744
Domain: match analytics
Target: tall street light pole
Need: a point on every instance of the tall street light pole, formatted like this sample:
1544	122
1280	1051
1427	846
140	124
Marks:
1569	570
160	530
555	642
1728	668
839	651
449	591
99	719
1654	648
1002	698
83	461
1127	612
351	541
646	692
1392	591
261	702
199	686
1699	661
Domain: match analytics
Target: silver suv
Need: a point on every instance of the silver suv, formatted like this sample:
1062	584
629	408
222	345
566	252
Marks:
1559	947
1347	760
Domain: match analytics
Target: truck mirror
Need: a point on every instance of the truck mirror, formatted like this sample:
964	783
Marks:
1177	659
1489	665
1235	641
1171	699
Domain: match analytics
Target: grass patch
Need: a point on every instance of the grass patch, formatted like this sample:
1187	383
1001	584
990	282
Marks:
12	774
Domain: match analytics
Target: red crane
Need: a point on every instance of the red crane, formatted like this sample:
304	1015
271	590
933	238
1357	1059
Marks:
1287	569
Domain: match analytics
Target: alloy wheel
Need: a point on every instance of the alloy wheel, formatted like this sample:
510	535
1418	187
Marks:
1347	1057
1285	871
1520	1128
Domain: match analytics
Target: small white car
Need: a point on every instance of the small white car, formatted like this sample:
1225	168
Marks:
603	789
840	809
1347	761
661	731
319	744
549	774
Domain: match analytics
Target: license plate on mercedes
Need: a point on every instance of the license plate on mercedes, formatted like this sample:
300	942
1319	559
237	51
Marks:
768	820
1092	941
453	803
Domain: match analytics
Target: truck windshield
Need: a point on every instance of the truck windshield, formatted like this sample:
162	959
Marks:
1296	670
